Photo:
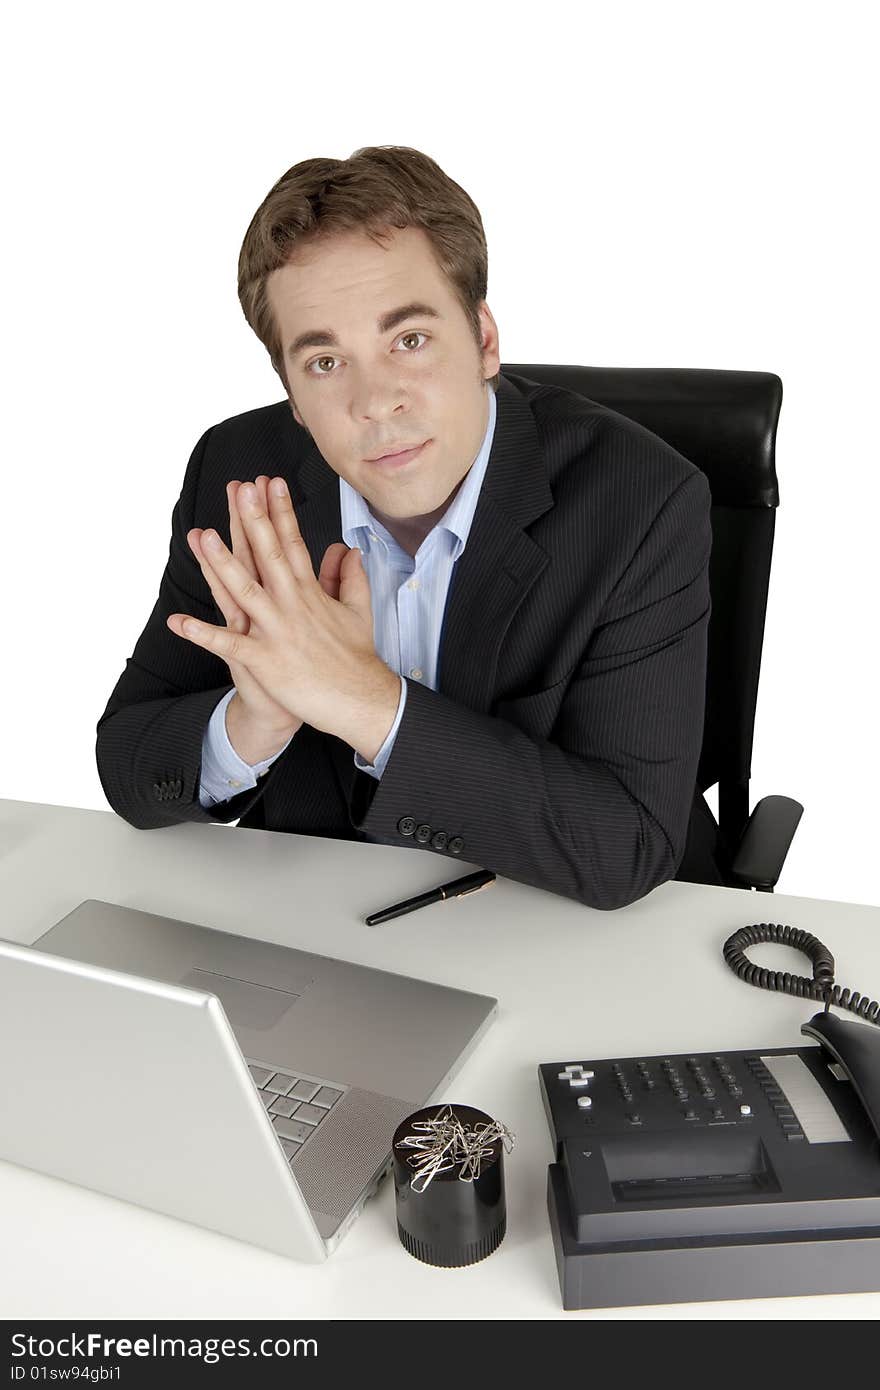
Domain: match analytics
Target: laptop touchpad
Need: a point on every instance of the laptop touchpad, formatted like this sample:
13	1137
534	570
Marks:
245	1004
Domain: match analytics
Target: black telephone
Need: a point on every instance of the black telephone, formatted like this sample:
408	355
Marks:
685	1178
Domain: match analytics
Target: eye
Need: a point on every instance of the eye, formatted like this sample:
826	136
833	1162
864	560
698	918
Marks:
415	333
314	361
411	333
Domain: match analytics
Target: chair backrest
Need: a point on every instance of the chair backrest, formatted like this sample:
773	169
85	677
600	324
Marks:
725	423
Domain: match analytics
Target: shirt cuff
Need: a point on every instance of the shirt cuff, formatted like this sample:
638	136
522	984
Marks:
375	769
224	773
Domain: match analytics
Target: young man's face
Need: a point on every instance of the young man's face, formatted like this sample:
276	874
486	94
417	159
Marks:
379	387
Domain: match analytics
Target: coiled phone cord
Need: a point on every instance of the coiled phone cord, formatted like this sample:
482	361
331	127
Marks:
821	986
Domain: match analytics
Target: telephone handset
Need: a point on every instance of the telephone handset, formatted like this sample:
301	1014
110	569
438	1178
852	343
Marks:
857	1052
723	1175
854	1049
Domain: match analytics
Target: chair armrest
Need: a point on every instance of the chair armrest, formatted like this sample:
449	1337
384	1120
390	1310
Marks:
765	841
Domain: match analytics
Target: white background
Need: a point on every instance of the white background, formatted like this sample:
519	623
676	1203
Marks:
675	185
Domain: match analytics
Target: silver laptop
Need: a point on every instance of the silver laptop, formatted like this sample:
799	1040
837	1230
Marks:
241	1085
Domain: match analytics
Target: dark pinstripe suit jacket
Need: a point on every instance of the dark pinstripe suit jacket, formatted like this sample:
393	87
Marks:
561	747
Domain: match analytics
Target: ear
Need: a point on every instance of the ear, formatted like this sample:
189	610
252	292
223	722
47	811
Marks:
490	348
298	418
296	415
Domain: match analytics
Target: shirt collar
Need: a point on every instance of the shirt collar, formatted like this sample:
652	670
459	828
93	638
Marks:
358	520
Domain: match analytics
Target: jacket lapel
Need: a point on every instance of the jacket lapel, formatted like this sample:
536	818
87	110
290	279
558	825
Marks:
317	512
500	562
315	496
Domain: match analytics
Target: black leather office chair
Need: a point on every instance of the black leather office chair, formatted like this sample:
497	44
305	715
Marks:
724	422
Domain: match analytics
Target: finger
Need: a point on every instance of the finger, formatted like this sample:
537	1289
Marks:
328	575
230	646
236	618
241	546
354	587
274	569
288	532
261	483
245	590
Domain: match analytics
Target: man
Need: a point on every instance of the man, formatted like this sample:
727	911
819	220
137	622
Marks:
509	670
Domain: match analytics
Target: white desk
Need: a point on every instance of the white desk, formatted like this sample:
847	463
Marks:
570	982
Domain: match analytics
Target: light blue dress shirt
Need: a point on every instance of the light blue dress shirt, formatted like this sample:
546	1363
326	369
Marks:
408	596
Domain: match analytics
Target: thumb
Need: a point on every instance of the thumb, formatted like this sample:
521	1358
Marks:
328	577
354	586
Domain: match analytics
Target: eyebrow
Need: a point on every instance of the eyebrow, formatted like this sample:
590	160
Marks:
326	338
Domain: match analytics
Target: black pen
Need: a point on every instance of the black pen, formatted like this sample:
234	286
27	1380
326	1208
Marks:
456	889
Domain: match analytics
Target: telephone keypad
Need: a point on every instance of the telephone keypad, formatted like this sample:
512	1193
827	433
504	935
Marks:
696	1086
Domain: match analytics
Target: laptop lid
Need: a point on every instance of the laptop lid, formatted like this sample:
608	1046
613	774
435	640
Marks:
138	1088
387	1042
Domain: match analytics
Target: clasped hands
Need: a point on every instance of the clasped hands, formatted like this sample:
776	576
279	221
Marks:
300	646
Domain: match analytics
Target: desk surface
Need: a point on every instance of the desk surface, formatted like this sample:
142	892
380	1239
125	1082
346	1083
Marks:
570	982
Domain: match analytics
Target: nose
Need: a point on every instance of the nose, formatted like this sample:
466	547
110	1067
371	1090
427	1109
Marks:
377	398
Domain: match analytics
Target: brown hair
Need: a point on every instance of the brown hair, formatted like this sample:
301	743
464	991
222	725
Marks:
377	187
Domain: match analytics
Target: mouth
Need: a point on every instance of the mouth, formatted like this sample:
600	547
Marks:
398	459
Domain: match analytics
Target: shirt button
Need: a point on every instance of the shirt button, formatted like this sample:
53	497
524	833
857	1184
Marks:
234	782
416	673
413	583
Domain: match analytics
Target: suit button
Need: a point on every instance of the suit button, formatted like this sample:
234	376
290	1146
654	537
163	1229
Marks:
456	845
406	825
423	834
440	840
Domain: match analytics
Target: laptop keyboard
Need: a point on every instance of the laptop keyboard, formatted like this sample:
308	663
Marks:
296	1104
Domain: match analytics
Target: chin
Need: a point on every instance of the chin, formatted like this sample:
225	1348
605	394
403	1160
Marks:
398	508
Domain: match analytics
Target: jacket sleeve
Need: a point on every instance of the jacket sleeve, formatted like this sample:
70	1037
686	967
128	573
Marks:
598	811
149	738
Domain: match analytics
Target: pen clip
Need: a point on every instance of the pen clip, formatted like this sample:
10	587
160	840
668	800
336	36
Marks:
476	889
